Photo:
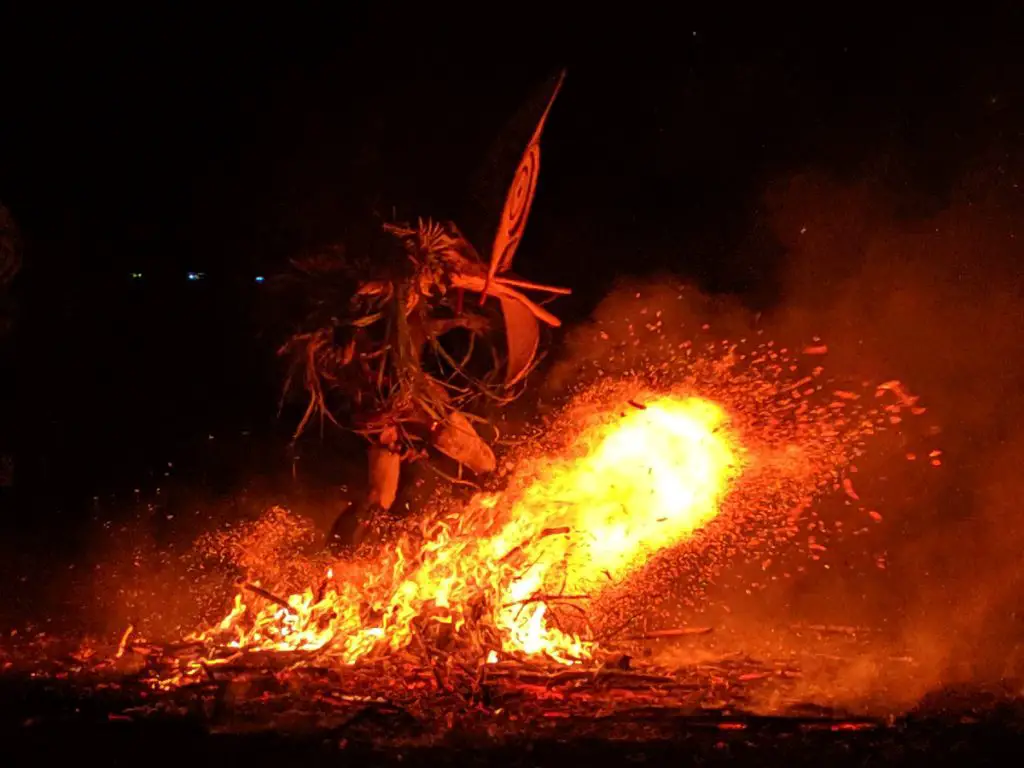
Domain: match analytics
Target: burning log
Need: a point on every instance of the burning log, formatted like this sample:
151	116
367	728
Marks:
122	645
661	634
545	599
428	657
257	590
518	550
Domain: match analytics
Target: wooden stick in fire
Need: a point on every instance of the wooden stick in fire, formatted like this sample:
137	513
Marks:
268	596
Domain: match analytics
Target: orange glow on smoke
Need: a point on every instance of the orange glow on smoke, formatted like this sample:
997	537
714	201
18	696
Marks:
495	573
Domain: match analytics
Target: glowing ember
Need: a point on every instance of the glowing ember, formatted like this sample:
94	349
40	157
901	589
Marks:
631	484
623	509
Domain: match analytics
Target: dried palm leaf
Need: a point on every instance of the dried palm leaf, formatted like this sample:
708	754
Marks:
519	200
522	336
476	284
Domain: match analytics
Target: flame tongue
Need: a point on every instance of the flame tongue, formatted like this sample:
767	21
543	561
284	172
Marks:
568	526
652	478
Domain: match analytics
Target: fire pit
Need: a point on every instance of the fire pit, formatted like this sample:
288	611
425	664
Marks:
535	616
267	705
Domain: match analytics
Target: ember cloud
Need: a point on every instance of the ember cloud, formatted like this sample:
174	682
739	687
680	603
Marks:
890	361
883	291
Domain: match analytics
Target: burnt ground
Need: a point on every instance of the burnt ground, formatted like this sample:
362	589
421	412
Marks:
261	710
988	736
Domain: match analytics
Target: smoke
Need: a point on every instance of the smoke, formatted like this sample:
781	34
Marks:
932	296
929	293
935	301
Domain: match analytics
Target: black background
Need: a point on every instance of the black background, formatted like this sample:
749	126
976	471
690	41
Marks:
159	143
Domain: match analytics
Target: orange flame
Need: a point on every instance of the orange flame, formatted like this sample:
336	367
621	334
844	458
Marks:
565	529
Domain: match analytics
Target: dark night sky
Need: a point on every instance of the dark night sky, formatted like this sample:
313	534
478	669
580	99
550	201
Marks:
164	144
132	142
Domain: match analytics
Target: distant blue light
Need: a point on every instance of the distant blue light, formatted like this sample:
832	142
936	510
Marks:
196	275
259	278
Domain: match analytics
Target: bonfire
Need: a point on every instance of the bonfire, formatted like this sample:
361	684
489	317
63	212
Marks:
535	602
548	569
544	582
483	581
